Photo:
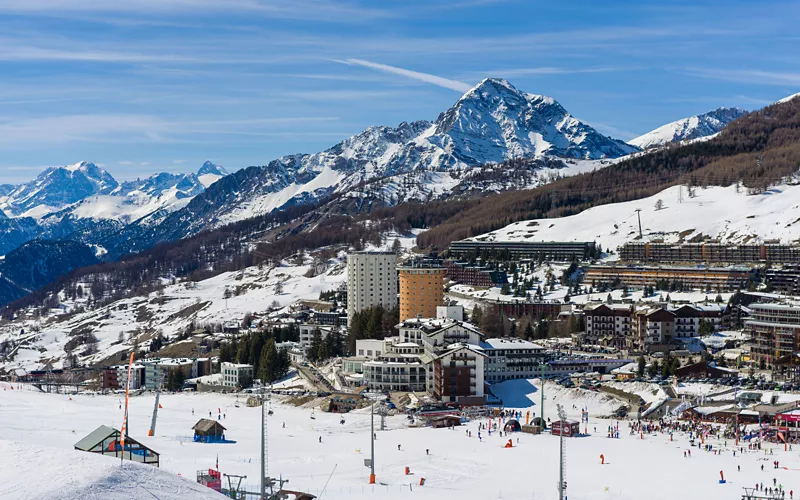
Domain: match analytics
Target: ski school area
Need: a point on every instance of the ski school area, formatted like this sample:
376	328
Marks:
325	455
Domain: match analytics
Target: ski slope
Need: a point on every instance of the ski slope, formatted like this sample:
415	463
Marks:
716	212
457	466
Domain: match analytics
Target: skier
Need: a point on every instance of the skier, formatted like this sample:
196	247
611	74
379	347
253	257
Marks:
284	424
739	468
192	411
320	439
427	451
398	446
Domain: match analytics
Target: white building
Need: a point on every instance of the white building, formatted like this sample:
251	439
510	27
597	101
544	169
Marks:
137	376
156	370
236	375
371	281
400	369
511	358
451	311
307	333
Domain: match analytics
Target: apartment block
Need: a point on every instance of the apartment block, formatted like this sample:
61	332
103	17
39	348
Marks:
565	251
609	325
709	252
775	330
699	278
236	375
371	281
458	375
421	289
466	274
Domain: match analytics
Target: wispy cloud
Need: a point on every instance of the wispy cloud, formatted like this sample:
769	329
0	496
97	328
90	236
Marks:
133	128
755	76
416	75
317	10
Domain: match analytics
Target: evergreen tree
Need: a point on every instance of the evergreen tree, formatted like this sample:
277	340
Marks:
315	345
268	366
640	366
528	332
653	369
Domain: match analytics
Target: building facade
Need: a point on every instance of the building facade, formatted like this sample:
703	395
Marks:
236	375
371	281
421	290
608	324
710	252
775	330
466	274
458	375
511	358
698	278
565	251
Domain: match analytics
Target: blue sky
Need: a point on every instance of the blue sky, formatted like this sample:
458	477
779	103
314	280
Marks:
141	86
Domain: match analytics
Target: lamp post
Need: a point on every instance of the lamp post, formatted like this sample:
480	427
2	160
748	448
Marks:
372	444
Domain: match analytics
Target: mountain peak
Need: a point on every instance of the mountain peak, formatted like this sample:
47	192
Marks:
212	168
692	127
494	121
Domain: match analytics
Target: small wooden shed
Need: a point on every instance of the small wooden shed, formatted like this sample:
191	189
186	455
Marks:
208	431
567	427
445	421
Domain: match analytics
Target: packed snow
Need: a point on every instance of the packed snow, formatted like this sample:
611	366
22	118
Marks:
716	212
38	431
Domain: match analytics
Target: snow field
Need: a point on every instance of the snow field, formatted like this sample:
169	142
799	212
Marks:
457	467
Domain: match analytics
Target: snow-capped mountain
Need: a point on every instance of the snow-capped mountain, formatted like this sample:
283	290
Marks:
491	123
85	203
56	188
210	173
685	129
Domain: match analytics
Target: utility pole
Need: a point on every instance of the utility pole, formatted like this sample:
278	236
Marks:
562	466
544	424
264	465
638	216
372	444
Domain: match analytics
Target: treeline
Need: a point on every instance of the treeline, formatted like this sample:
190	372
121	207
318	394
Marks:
258	349
372	323
757	150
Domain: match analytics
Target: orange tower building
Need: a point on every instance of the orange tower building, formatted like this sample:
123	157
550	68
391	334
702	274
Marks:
421	290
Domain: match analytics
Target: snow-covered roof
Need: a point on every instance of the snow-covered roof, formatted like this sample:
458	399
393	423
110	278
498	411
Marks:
509	343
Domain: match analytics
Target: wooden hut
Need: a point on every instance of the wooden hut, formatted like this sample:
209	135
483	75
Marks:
208	431
106	441
567	427
445	421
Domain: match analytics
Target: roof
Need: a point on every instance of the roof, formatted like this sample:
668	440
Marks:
95	437
509	343
205	425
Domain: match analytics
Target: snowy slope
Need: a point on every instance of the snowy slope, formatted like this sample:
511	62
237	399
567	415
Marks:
455	465
73	475
717	212
693	127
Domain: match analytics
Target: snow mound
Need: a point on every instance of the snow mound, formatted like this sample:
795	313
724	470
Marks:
74	474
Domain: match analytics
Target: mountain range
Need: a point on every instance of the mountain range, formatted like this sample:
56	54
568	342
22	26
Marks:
494	138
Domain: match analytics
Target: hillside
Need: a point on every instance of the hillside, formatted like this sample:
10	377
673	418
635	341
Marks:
716	212
758	150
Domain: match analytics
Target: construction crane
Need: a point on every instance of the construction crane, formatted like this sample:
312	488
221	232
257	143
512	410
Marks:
159	381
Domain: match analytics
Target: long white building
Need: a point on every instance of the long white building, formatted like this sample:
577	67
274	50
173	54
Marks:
371	281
